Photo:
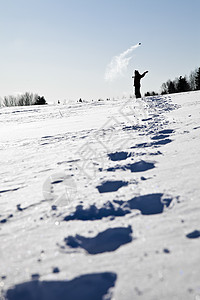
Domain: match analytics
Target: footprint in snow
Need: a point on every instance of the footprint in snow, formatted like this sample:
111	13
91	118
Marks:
166	131
193	235
117	156
160	136
149	204
85	287
106	241
111	186
94	213
139	166
134	127
162	142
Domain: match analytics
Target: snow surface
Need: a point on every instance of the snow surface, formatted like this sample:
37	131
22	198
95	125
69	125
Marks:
100	200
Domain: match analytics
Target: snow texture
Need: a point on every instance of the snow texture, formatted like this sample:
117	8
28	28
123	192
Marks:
100	200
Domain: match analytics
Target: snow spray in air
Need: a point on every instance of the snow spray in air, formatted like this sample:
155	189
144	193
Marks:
119	63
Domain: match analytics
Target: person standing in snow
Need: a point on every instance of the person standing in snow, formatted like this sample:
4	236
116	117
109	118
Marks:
137	85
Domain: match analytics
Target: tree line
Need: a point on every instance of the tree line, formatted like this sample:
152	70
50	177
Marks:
23	100
180	84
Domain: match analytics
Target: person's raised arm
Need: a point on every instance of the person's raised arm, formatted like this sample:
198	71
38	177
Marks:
144	74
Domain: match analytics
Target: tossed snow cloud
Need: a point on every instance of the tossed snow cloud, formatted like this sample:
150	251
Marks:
119	64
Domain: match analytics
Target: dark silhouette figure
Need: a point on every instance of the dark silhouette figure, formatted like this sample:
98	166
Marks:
137	85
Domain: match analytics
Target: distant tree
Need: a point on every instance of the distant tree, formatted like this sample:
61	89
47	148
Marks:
197	79
147	94
164	88
169	87
172	87
10	101
6	101
25	99
28	98
192	80
182	85
20	100
40	100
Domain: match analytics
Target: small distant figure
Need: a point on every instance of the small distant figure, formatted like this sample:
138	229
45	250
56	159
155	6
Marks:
137	84
58	101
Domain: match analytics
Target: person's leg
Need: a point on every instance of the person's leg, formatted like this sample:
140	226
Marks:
137	92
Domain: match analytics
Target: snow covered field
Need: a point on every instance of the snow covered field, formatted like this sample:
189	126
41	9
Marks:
100	200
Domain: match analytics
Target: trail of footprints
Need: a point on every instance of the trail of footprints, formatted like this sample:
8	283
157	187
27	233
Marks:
97	285
111	239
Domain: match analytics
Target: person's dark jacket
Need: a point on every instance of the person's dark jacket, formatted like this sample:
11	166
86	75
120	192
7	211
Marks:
138	77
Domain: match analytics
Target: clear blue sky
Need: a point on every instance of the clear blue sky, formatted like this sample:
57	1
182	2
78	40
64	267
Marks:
60	48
